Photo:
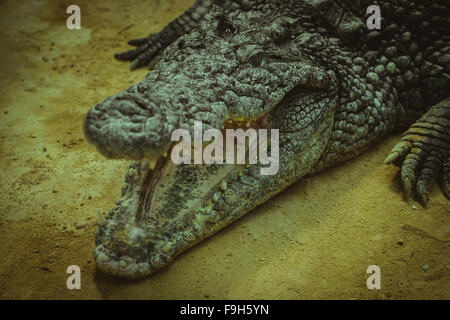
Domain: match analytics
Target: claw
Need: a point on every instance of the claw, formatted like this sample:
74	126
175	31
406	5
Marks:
152	37
445	179
399	151
409	171
100	219
392	157
154	61
144	58
423	158
138	42
135	64
407	186
131	54
424	184
424	198
446	188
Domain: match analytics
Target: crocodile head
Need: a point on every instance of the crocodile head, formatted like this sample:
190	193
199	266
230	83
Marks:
236	70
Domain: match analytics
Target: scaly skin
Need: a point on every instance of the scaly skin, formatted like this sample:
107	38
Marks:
313	71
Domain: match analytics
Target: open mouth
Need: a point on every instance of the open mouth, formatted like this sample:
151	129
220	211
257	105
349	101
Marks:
172	209
157	179
166	208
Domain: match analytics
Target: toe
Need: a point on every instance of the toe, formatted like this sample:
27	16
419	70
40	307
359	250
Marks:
445	179
131	54
410	169
398	153
426	179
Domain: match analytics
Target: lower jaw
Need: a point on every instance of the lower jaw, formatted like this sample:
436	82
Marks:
130	269
200	228
180	241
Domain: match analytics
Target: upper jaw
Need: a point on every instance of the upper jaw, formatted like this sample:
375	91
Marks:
207	77
126	126
138	123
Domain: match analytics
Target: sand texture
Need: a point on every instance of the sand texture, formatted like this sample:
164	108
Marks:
314	240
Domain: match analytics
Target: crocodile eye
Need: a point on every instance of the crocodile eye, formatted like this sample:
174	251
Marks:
275	57
282	29
225	27
257	59
181	44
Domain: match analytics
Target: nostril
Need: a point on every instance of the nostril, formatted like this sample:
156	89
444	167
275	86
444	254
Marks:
256	59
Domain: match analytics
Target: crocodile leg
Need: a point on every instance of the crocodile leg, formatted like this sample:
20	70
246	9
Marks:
424	153
149	49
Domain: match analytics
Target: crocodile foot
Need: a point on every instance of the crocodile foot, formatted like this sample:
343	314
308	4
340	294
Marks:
148	50
423	154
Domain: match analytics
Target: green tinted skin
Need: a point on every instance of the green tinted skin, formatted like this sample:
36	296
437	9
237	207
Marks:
317	74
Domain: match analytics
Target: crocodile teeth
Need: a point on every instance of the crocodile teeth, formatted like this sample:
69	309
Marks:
223	185
215	197
167	248
100	219
102	258
152	162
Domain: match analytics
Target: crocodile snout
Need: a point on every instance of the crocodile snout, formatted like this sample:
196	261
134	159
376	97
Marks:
117	127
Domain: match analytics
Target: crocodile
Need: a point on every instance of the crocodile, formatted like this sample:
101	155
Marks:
313	70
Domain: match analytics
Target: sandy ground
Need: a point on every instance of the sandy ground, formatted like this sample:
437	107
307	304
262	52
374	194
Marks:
315	240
